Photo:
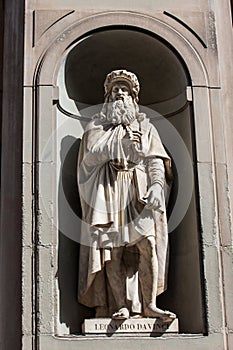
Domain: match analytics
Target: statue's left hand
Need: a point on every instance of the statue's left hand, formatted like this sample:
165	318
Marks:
153	196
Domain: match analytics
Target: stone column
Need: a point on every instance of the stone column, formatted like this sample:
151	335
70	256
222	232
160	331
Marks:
11	177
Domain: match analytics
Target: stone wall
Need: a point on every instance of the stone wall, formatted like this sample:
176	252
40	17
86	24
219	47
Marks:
199	34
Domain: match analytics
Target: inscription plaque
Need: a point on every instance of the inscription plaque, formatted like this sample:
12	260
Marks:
131	325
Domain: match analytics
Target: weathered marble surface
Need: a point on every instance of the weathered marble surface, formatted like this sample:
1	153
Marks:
117	145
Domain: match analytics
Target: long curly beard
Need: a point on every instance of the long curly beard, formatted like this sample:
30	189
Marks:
121	111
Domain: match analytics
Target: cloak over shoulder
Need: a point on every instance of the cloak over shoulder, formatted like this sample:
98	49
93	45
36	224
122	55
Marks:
101	189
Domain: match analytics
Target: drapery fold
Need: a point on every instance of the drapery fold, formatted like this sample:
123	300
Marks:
113	214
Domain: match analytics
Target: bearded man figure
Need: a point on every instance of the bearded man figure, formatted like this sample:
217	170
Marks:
124	175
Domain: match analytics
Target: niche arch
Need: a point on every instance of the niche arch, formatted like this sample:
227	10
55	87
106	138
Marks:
51	54
48	76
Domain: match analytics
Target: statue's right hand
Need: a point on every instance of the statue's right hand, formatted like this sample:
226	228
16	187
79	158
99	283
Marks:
134	135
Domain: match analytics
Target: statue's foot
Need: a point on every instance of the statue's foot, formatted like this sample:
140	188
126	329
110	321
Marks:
121	314
134	316
164	315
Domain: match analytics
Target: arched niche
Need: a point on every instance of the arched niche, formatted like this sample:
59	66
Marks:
164	79
157	66
50	53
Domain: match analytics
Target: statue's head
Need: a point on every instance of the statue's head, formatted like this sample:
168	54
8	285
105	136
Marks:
122	80
121	97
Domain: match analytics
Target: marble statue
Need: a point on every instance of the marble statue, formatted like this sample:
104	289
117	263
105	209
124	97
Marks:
124	176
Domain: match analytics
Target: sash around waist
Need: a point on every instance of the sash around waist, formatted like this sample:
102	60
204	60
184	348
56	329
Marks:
128	166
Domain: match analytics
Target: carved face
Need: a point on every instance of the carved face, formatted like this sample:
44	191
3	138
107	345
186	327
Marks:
119	91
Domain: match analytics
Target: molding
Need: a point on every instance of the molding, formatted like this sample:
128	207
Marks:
52	52
45	19
188	27
11	177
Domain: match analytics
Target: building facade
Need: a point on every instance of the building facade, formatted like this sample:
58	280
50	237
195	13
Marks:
55	59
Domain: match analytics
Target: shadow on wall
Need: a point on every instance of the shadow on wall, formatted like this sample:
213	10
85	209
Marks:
71	312
183	286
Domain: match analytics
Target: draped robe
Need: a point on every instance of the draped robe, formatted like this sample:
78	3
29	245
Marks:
111	174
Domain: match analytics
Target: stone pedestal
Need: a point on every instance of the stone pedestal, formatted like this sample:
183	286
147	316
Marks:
144	326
